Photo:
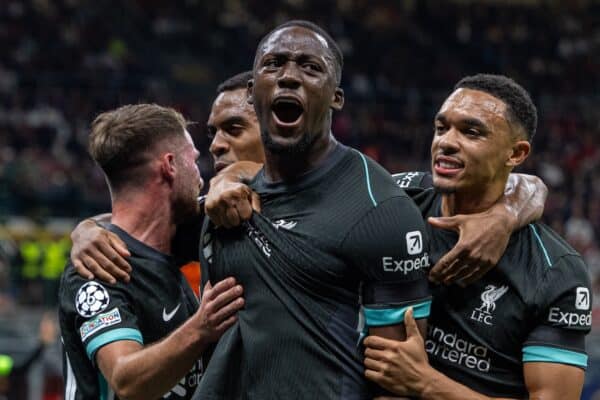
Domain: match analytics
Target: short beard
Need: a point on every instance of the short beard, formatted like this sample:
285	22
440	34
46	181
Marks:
185	207
301	147
444	190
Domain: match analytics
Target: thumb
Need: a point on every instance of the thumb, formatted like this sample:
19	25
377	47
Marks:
410	324
255	202
447	223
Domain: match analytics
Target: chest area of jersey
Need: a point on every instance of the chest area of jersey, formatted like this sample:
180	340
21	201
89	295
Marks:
292	248
161	306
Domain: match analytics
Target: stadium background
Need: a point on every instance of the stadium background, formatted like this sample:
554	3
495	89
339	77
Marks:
64	61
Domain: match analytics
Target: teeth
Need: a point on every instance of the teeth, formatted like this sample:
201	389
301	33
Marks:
449	165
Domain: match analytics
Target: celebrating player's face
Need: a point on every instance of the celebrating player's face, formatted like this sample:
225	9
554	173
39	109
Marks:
188	182
234	129
294	89
472	142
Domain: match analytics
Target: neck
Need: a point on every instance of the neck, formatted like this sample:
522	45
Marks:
146	217
285	167
471	202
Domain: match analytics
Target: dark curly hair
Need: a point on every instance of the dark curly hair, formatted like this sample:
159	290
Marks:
239	81
520	106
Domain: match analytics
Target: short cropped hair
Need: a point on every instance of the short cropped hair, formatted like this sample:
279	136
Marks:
335	50
239	81
519	104
121	140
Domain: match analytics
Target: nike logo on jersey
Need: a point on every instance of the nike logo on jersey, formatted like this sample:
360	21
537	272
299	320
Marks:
168	316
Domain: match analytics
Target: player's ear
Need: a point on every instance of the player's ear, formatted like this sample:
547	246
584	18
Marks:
520	152
168	167
337	102
250	91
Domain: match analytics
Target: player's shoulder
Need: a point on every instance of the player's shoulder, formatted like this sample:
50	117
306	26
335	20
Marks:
552	257
552	246
375	180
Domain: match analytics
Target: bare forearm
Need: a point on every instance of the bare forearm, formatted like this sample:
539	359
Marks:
154	370
524	198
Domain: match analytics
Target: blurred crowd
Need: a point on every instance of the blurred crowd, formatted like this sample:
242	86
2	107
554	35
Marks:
64	61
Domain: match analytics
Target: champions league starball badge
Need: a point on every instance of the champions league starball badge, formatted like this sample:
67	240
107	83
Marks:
91	298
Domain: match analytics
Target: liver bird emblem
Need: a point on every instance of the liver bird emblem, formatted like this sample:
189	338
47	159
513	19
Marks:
489	297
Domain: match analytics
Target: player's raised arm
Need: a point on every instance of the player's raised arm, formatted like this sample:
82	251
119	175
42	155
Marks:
99	253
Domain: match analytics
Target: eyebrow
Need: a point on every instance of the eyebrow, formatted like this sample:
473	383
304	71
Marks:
474	122
234	120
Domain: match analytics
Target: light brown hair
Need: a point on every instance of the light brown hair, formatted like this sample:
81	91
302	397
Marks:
121	141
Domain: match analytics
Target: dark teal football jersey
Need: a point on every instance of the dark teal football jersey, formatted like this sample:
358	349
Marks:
534	306
93	314
339	239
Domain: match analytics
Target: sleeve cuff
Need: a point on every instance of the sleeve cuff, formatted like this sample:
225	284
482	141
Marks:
554	355
112	336
393	316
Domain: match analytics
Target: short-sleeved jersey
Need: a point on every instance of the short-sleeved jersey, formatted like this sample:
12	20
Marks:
534	306
93	314
302	262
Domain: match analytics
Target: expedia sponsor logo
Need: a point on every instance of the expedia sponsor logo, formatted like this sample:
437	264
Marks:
101	321
390	264
414	243
558	317
451	348
582	298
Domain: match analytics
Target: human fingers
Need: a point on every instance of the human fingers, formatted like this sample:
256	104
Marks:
378	342
113	262
256	204
223	326
231	308
119	245
81	269
210	291
410	324
447	223
444	265
244	208
96	270
227	296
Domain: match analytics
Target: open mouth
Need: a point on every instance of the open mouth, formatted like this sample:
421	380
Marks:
447	165
287	110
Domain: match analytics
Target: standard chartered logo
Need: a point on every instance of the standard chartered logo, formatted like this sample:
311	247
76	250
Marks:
390	264
449	347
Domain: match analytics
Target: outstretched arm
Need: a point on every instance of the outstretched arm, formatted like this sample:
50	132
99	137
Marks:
483	237
99	253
